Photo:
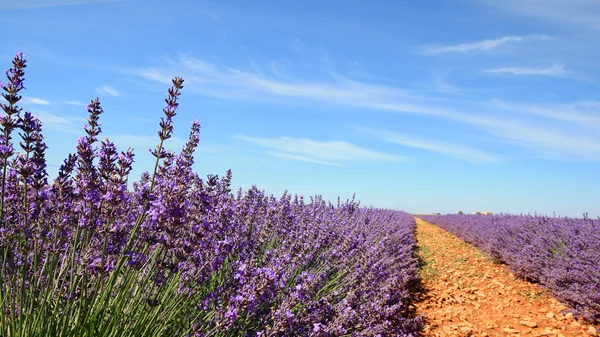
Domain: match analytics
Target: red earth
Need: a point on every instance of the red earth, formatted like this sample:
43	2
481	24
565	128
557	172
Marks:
466	294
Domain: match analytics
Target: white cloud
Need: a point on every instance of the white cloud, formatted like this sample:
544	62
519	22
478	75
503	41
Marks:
108	90
550	142
483	45
584	115
50	121
322	152
231	84
556	69
207	79
584	12
441	85
296	157
34	100
77	103
445	148
211	15
48	118
296	45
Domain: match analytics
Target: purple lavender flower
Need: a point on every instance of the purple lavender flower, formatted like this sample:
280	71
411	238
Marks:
179	250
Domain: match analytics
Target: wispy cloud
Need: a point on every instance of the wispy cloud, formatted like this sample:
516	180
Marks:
483	45
208	79
557	142
556	69
204	78
581	114
321	152
30	4
50	121
34	100
445	148
584	12
296	45
297	157
440	83
108	90
77	103
211	15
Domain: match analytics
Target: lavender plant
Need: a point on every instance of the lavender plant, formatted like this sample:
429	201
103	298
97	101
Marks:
181	255
562	254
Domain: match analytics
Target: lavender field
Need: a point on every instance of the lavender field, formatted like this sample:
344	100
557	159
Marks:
181	255
562	254
93	253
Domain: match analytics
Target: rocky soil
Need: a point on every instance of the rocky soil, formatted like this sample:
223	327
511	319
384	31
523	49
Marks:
466	294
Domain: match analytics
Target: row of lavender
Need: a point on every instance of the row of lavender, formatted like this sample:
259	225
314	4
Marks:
179	255
562	254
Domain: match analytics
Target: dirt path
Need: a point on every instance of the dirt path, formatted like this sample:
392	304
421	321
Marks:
466	294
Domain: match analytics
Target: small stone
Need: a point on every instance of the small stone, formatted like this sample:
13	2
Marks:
466	331
509	330
592	331
569	315
529	324
550	315
561	307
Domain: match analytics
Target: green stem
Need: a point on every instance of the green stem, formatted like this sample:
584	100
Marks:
4	163
129	244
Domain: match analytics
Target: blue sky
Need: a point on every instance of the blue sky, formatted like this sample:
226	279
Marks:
425	106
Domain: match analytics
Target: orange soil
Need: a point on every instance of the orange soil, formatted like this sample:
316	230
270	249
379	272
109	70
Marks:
466	294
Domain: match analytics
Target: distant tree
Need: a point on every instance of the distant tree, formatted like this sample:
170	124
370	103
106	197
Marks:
460	212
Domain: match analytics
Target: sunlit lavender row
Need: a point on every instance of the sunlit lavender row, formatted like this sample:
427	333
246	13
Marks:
562	254
181	255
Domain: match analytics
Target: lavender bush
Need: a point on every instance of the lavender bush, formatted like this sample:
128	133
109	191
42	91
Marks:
181	255
562	254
